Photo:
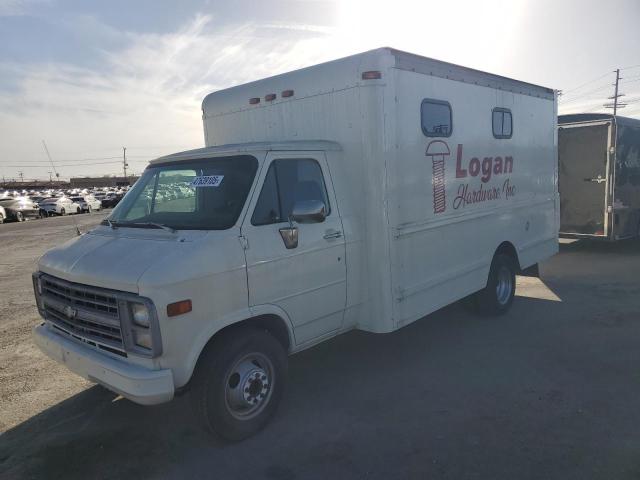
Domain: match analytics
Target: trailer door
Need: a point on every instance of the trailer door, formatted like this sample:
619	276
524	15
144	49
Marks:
583	178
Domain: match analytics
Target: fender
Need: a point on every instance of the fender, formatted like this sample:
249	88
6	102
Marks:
226	321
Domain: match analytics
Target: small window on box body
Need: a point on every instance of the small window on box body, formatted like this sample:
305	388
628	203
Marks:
502	122
436	118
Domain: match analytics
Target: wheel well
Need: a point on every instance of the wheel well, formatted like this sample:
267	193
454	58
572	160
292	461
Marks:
507	248
273	324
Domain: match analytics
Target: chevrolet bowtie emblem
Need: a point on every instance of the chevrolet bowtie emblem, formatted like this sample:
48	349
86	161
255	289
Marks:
70	312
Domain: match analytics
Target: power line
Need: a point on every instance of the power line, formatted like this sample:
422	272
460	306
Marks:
584	84
61	165
582	95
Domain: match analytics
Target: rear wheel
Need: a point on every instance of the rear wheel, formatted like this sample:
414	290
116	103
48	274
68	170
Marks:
1	219
89	209
496	298
78	211
238	383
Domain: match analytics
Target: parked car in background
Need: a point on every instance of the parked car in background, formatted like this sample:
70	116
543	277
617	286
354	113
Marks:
59	206
111	199
19	209
87	203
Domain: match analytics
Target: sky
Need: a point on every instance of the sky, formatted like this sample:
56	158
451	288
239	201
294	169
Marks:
91	77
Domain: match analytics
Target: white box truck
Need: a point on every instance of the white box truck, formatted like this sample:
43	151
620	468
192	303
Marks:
363	193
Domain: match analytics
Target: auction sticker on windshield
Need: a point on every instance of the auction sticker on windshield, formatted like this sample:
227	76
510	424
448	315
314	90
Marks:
207	181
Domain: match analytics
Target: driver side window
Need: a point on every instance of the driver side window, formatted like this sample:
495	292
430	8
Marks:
289	181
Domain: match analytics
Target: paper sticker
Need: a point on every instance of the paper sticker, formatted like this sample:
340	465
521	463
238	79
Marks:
207	181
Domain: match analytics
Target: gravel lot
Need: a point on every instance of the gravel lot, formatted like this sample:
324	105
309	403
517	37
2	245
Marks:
548	391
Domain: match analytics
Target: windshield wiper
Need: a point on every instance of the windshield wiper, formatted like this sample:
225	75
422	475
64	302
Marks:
150	224
108	222
115	225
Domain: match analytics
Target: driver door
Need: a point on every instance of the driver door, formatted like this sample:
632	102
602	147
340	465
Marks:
307	280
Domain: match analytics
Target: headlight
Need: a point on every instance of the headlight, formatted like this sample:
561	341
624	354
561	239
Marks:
142	339
39	284
140	314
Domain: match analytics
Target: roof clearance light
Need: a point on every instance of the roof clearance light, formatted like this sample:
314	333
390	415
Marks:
287	93
254	100
269	97
371	75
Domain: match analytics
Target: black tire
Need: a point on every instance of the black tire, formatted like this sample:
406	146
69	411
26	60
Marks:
19	217
1	219
89	209
496	298
63	212
78	210
216	382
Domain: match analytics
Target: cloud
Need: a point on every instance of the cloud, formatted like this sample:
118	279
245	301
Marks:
145	95
13	8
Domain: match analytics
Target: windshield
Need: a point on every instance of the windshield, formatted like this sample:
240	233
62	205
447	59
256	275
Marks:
206	194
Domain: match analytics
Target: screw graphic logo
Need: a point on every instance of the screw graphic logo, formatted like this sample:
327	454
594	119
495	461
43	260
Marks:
438	150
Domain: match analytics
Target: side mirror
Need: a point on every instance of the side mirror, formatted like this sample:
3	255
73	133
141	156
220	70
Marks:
309	211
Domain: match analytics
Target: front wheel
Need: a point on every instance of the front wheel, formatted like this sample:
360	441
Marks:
63	211
496	298
238	383
19	217
1	219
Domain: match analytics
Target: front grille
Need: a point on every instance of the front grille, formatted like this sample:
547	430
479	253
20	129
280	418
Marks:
86	313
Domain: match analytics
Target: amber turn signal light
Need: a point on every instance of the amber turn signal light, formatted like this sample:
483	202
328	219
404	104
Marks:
178	308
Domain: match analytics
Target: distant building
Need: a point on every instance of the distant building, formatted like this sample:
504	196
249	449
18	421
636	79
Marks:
87	182
33	185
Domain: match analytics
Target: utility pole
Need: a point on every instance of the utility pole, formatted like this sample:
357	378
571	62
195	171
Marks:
21	176
124	162
50	181
615	105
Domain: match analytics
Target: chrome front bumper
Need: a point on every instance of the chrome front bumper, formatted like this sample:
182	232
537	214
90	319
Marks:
138	384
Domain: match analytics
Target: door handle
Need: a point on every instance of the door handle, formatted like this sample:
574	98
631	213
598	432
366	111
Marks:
329	234
596	180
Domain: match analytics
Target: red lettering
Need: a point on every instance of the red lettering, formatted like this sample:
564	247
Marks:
460	172
486	169
474	167
508	164
497	166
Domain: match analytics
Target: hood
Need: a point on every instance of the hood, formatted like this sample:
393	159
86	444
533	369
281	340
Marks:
115	259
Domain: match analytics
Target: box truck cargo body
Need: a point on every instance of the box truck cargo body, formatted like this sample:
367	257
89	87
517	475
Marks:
428	184
361	193
599	176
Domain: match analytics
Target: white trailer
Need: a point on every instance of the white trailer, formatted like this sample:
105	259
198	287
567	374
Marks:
362	193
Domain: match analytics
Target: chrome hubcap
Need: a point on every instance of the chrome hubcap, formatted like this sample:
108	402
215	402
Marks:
248	386
504	286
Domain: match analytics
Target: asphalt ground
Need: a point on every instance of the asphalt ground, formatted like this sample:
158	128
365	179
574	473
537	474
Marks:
548	391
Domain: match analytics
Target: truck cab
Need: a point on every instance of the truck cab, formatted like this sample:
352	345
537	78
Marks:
133	303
